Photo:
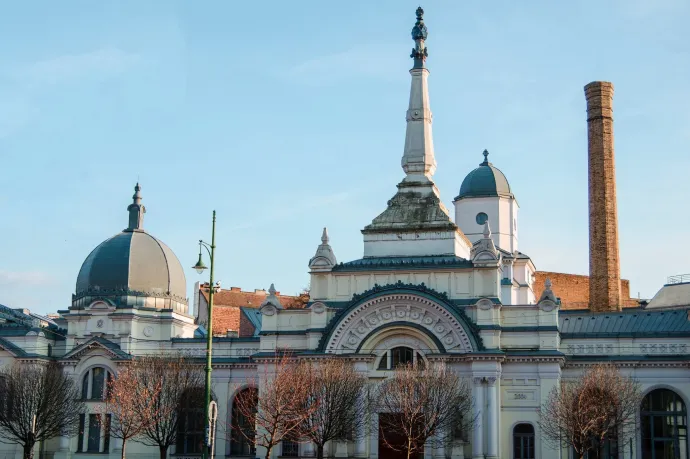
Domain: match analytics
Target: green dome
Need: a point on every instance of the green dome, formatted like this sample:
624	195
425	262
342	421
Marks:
484	181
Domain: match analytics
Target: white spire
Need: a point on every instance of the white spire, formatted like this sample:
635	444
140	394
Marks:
272	299
487	230
418	161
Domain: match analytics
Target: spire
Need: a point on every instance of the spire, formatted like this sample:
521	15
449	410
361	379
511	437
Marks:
324	259
136	211
418	159
487	230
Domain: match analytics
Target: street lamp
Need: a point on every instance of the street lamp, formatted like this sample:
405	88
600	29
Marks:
200	267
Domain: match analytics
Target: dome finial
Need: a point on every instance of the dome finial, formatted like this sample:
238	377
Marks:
136	211
486	158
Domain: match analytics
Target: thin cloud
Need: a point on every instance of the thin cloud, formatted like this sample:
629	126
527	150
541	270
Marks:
367	61
25	278
305	204
70	67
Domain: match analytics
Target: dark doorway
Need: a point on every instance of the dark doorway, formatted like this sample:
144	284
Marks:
392	444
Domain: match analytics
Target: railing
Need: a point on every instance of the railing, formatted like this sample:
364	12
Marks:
678	279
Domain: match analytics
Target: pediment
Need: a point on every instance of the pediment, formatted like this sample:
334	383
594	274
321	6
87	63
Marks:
110	348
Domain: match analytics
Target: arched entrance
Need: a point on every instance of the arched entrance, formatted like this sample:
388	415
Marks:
242	431
664	426
391	442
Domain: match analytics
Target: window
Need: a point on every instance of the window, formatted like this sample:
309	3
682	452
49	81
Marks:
242	429
190	431
523	441
481	218
290	448
95	384
400	356
94	434
664	421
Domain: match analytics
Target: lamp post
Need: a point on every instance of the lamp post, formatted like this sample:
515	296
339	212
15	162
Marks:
200	267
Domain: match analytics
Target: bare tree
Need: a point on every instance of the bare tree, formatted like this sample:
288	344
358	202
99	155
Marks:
280	410
131	404
422	405
178	376
37	402
593	411
336	403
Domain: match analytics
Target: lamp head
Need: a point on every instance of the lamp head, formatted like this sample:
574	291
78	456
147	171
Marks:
200	266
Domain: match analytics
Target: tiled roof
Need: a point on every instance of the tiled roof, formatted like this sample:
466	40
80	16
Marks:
227	304
12	348
388	263
629	323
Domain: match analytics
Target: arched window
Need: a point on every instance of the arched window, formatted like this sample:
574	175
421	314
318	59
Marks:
401	355
664	426
523	441
243	430
190	428
95	383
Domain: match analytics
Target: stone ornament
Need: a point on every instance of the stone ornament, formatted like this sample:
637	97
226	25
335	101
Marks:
402	309
148	331
318	308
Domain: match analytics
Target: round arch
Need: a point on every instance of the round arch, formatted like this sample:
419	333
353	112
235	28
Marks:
392	305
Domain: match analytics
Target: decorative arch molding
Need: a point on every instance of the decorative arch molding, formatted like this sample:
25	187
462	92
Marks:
414	305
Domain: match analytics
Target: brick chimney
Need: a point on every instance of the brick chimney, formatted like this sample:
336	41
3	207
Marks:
604	264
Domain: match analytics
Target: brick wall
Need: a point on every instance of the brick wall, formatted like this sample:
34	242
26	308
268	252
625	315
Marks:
573	289
246	327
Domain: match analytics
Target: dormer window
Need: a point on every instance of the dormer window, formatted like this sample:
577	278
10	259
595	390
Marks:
401	355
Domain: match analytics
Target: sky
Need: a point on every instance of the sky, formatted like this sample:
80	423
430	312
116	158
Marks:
286	117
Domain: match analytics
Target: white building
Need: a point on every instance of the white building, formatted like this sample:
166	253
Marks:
428	287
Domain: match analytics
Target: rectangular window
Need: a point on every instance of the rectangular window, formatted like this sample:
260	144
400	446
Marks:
94	442
106	433
80	438
290	448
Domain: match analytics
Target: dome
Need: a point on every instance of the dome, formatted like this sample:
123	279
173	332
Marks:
486	180
133	261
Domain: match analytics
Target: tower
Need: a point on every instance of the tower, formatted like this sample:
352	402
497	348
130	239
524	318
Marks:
485	196
415	222
604	263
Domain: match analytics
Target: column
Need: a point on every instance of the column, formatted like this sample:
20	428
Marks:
478	409
374	436
309	450
440	442
492	419
63	451
361	437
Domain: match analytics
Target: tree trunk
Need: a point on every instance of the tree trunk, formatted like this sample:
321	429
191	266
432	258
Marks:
268	452
124	444
163	450
319	451
29	451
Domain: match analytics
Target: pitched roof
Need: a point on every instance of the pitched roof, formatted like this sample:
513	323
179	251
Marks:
254	317
109	346
630	323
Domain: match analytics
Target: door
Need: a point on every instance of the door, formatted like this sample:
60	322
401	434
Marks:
392	444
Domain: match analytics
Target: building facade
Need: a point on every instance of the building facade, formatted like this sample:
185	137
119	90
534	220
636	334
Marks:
428	287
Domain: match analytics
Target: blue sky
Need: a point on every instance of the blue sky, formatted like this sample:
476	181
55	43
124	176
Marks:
289	116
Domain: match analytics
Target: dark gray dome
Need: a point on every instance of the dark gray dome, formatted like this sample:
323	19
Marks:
486	180
133	261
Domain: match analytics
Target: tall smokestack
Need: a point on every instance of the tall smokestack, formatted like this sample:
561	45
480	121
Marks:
604	264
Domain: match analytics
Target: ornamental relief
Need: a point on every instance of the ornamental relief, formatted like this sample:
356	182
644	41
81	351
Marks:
435	319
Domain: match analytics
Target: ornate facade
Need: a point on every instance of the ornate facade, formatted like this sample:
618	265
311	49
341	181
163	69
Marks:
428	287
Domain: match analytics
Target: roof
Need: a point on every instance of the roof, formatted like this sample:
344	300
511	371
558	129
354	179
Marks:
486	180
133	260
629	323
389	263
238	298
254	317
227	305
